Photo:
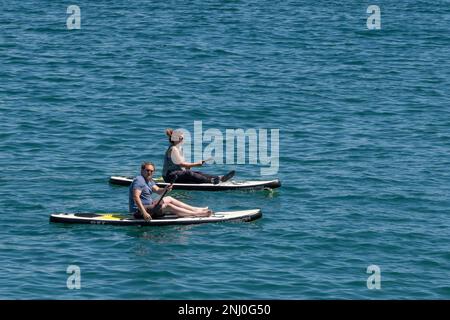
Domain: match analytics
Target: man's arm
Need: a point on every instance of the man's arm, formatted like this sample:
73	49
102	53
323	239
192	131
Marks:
159	190
137	200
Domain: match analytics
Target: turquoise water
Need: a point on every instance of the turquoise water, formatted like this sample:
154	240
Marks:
364	122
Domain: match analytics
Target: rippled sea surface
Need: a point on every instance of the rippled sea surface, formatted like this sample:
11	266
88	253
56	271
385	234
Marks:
364	120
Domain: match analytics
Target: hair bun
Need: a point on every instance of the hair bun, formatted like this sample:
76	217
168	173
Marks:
169	132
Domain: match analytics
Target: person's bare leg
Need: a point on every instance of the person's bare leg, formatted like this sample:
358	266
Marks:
183	212
178	203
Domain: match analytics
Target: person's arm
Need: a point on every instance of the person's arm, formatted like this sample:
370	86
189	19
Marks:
189	165
137	200
159	190
177	158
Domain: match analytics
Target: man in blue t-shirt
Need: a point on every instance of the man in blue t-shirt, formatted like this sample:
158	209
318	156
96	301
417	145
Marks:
142	205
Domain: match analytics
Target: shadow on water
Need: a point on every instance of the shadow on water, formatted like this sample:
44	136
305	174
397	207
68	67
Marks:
162	234
141	239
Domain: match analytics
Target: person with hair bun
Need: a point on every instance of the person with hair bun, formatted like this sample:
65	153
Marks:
176	168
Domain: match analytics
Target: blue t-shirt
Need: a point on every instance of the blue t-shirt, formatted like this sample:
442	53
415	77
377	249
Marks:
146	194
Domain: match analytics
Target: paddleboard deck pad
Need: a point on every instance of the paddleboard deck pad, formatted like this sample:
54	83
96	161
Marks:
129	220
227	185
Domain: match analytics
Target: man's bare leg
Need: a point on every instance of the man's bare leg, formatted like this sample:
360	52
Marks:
183	212
168	200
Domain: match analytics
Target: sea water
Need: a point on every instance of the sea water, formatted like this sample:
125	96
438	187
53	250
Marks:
364	140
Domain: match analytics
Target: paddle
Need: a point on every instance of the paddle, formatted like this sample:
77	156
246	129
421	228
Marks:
164	193
209	159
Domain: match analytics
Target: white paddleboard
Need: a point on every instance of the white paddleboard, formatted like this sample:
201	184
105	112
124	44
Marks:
129	220
227	185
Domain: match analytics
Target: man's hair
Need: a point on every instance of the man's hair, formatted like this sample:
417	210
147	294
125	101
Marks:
144	164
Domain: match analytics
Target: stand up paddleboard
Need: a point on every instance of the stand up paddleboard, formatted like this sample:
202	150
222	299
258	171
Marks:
129	220
228	185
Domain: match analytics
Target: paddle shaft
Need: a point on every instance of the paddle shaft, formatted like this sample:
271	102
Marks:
165	192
